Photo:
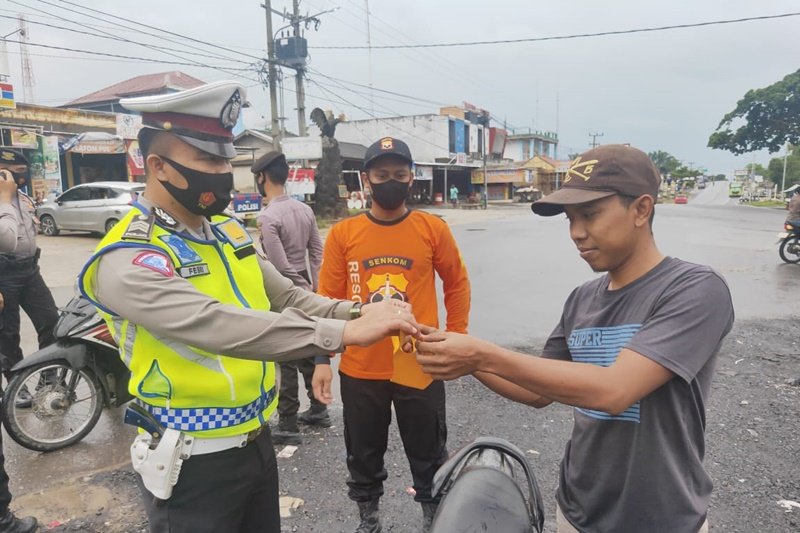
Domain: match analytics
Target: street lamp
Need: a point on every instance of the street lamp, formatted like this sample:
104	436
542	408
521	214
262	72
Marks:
783	180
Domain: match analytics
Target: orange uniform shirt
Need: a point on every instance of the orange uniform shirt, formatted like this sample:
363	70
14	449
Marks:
367	260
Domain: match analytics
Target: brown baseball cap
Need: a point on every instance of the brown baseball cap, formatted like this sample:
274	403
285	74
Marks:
600	172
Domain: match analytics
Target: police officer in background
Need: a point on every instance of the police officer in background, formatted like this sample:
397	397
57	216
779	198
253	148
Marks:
21	283
10	217
200	317
291	241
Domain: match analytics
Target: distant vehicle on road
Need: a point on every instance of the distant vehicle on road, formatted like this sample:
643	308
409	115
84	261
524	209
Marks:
94	207
735	190
681	199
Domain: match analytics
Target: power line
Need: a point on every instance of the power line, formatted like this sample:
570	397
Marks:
122	39
564	37
423	100
205	43
149	60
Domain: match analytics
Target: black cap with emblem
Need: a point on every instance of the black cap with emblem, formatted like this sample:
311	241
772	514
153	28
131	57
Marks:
12	157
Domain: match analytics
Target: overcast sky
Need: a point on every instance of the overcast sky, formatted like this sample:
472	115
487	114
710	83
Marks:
659	91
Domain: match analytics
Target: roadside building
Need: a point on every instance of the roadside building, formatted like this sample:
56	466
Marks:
447	146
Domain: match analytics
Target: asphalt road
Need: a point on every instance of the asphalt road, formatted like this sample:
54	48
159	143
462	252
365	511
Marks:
522	268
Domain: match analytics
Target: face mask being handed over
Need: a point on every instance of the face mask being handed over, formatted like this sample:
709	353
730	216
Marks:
207	193
389	195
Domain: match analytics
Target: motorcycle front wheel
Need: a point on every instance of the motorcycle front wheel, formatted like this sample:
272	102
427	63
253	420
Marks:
51	405
790	249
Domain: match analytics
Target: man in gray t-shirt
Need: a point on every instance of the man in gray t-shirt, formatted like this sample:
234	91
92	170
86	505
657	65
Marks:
634	353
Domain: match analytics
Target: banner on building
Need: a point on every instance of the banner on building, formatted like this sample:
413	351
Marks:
51	164
300	182
423	173
133	156
128	126
7	96
460	137
473	139
22	138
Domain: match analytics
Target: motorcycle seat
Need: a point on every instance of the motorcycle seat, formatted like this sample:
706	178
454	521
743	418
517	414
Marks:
483	499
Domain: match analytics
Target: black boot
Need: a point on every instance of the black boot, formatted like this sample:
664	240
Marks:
370	517
24	400
11	524
317	415
428	512
287	432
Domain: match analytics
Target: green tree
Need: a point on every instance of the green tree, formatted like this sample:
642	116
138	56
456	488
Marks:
775	168
665	162
771	118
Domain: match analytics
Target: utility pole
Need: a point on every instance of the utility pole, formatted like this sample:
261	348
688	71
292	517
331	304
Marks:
369	61
783	180
271	76
298	78
594	137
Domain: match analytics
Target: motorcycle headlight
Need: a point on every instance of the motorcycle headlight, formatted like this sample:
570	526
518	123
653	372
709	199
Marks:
787	227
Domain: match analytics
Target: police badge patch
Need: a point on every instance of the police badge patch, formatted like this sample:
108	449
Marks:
230	112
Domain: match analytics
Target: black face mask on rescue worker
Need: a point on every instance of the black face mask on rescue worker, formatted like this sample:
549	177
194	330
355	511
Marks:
207	193
389	195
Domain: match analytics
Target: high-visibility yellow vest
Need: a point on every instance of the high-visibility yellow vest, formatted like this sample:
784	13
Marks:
184	387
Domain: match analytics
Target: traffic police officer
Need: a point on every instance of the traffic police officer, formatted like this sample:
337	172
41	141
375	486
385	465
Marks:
21	283
9	230
200	318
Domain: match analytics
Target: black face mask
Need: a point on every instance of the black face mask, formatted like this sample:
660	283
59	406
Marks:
260	187
389	195
207	194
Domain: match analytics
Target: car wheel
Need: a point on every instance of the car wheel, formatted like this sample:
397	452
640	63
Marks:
110	223
48	225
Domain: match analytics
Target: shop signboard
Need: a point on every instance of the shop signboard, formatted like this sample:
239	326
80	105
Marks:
423	173
7	96
133	156
300	182
247	203
22	138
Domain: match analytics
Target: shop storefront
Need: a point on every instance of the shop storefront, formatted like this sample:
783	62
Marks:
500	182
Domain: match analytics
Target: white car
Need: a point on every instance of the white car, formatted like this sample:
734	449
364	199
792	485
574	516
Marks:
94	207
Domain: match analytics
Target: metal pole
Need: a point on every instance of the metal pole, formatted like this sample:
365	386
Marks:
783	180
271	76
298	78
445	194
485	181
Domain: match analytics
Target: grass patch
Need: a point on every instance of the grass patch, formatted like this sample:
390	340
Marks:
767	203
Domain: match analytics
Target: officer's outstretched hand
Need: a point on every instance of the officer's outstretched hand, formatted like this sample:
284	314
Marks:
447	355
380	320
8	187
321	383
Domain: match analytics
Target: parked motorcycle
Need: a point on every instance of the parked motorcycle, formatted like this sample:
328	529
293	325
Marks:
789	249
56	395
487	486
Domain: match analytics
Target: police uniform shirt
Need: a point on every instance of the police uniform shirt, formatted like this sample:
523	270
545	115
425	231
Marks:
18	227
171	307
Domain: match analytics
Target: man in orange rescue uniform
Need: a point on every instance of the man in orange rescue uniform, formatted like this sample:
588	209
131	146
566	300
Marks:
391	252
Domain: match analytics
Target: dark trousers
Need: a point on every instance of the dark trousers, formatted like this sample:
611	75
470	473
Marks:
367	415
289	397
232	491
25	289
5	494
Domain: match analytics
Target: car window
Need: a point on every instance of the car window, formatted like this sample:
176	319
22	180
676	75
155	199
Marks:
75	195
99	193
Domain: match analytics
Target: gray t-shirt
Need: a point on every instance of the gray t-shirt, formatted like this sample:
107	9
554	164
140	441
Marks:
643	469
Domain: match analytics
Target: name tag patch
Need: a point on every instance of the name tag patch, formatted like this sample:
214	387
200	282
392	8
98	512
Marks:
193	270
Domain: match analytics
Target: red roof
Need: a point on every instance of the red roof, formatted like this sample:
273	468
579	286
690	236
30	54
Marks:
140	86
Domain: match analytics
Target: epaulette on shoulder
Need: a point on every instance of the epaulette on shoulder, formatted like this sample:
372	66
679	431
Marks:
140	228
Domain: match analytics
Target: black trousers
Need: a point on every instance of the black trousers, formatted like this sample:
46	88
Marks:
24	289
289	397
5	494
232	491
367	415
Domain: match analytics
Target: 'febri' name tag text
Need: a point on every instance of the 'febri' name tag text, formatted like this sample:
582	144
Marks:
193	270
